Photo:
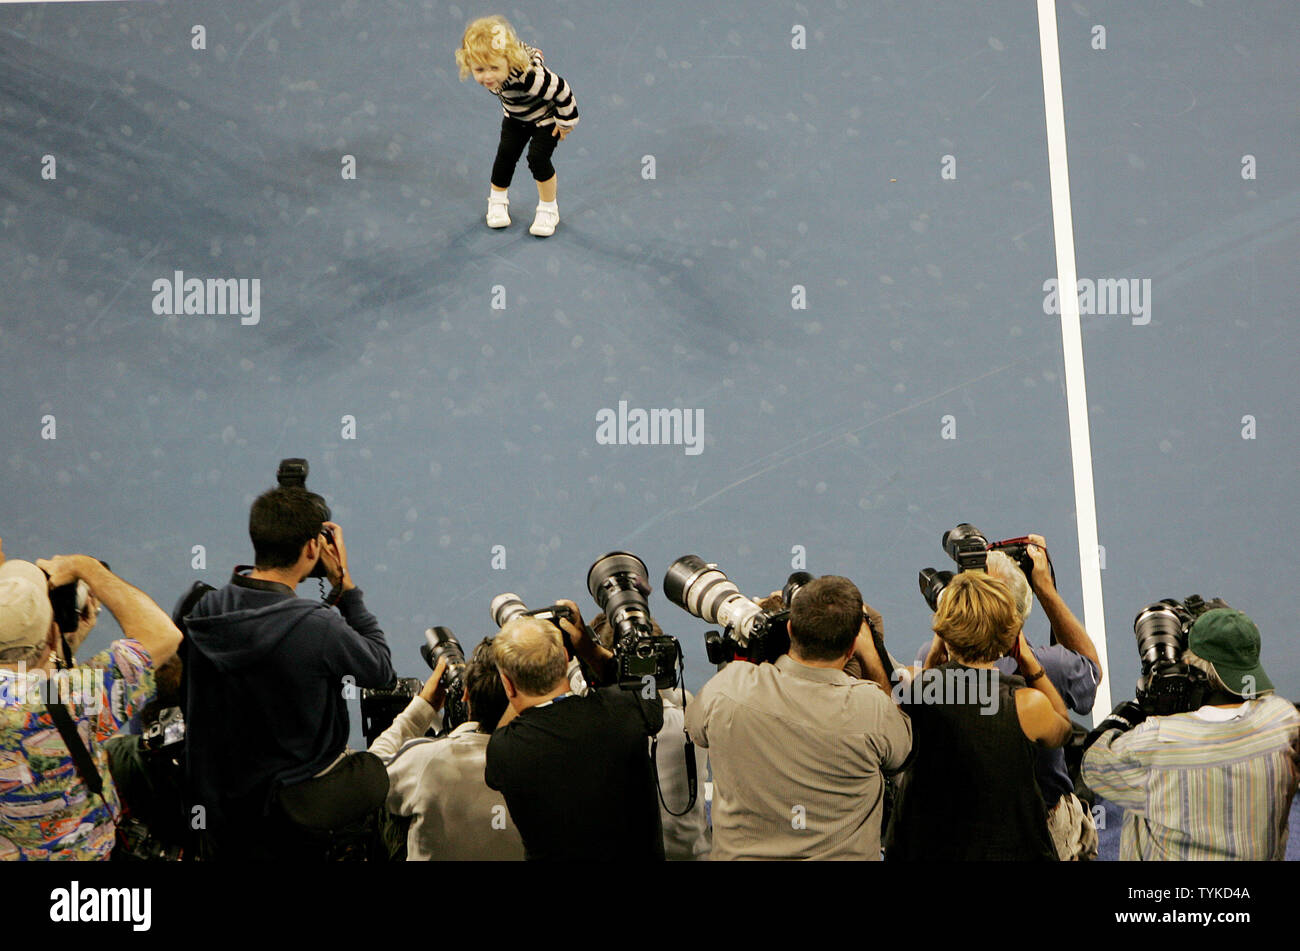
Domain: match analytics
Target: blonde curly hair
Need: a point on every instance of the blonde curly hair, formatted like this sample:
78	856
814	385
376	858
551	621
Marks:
488	38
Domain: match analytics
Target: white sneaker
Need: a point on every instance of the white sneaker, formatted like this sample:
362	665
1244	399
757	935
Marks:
498	215
545	221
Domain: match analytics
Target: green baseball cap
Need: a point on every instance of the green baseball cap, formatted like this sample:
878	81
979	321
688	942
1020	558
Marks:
1230	641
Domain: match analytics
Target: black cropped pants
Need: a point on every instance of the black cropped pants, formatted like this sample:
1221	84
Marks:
541	141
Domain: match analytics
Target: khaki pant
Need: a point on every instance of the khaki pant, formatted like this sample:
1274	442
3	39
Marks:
1073	831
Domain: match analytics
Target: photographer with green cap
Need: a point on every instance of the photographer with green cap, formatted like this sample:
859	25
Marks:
1212	783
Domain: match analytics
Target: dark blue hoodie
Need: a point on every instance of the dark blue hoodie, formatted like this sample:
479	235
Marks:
265	704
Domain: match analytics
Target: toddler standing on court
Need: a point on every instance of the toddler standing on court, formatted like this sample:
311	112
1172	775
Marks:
539	111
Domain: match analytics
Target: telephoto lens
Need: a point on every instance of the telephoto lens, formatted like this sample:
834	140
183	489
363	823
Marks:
932	582
1167	684
618	583
793	585
506	607
703	590
1161	632
440	642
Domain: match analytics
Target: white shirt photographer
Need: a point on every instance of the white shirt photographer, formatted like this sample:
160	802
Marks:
438	782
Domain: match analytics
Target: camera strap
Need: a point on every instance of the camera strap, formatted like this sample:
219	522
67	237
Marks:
692	778
80	755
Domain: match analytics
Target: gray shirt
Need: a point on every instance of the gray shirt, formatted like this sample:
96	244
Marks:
797	754
439	784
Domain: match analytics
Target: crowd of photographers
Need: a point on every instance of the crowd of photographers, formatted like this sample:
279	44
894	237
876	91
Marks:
220	733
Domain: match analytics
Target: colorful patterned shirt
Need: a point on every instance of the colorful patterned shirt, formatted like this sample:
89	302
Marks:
538	95
1210	784
46	810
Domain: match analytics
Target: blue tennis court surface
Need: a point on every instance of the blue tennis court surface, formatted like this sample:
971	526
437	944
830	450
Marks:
822	232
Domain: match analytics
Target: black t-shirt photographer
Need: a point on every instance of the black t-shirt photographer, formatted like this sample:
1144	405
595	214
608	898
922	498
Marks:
574	769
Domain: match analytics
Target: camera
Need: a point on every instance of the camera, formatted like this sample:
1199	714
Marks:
966	545
164	730
136	842
749	632
506	607
618	583
381	705
440	642
793	585
933	581
292	474
1167	684
69	602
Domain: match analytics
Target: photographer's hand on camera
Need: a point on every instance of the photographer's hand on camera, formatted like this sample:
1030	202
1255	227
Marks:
1066	628
334	555
1041	577
433	693
1126	715
597	657
864	649
63	570
136	613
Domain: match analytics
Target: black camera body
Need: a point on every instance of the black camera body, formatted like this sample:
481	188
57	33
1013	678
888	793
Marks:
68	602
381	705
769	633
165	730
553	614
647	654
508	606
967	546
1168	685
768	639
292	474
619	584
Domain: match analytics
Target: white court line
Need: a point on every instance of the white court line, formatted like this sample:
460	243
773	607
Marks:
1076	391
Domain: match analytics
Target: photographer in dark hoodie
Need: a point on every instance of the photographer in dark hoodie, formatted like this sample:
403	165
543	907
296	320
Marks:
268	673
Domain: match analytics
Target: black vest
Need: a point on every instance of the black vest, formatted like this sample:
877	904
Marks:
970	793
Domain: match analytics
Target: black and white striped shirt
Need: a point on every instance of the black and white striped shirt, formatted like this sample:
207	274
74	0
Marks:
538	95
